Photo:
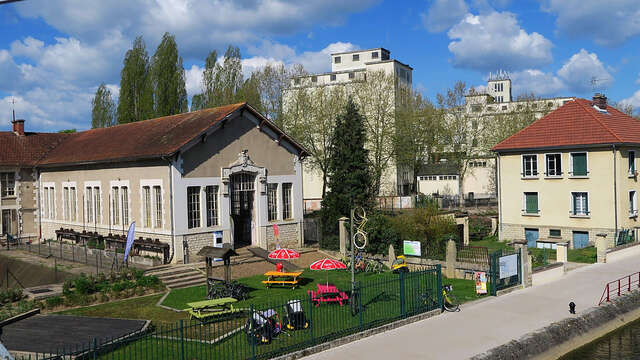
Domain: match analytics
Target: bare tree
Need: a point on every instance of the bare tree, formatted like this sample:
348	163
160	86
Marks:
376	97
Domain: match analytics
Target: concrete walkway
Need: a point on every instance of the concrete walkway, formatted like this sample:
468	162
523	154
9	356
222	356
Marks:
487	324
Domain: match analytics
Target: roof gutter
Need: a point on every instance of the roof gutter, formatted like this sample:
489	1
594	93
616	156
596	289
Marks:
577	146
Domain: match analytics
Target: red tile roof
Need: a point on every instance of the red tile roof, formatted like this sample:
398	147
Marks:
23	151
148	139
575	123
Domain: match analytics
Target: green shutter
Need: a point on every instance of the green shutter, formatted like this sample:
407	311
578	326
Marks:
531	203
579	164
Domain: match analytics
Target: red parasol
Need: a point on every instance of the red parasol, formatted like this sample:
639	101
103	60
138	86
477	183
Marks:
327	264
284	254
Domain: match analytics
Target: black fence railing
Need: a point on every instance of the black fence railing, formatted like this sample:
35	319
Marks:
275	328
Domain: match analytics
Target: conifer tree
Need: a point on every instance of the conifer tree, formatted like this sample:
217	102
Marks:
168	79
135	102
350	182
103	108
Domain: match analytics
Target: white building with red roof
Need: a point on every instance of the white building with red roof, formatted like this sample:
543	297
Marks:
570	175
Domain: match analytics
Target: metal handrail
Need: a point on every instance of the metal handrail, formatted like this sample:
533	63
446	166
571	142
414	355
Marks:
619	286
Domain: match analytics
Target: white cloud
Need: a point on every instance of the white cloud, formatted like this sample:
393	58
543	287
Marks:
537	82
199	25
270	49
193	80
30	47
496	41
443	14
583	66
320	61
608	23
633	100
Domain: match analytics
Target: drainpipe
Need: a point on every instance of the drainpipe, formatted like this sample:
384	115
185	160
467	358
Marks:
499	193
615	193
173	240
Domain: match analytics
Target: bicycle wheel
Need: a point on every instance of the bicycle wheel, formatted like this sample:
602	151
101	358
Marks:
427	302
450	303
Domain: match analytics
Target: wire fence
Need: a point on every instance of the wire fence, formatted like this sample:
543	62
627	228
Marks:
278	327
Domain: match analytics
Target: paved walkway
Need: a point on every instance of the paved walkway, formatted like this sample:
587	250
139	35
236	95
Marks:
485	325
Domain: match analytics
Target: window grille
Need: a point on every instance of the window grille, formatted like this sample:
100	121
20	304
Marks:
157	191
272	199
193	206
286	201
212	205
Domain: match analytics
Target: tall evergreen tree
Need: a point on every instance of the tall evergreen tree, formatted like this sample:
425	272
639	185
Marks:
136	100
168	79
103	108
211	82
350	182
231	76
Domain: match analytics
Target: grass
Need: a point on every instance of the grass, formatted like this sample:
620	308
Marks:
585	255
137	308
492	243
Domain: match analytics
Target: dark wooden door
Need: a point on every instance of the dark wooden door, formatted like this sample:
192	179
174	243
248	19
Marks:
242	199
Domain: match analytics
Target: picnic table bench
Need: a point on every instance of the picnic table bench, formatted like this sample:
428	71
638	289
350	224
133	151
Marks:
282	278
207	308
328	293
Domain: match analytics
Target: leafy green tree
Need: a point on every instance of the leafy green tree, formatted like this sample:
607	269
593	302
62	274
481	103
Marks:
350	182
67	131
135	102
168	78
103	108
198	102
250	93
211	81
231	76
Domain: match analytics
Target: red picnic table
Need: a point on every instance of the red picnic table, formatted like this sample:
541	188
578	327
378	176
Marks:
328	293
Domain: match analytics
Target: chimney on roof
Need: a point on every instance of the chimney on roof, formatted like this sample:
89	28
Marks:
18	127
600	101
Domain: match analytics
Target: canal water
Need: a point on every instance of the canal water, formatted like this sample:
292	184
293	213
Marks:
623	344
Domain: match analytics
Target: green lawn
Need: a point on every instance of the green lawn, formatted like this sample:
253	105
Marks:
137	308
584	255
492	243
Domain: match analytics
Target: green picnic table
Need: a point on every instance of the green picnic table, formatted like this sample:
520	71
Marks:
207	308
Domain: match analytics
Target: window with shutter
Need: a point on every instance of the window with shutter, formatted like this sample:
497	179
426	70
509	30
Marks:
579	161
531	203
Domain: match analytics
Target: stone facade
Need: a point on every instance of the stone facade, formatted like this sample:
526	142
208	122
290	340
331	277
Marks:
510	232
289	236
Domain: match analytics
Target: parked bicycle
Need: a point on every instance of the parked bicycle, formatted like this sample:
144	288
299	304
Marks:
449	300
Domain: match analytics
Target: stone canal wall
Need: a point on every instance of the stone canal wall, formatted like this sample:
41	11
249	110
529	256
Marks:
562	337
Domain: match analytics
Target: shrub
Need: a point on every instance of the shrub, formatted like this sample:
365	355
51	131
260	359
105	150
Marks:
84	285
54	301
479	227
381	233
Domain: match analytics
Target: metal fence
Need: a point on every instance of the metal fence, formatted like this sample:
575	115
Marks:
100	259
506	270
275	328
476	255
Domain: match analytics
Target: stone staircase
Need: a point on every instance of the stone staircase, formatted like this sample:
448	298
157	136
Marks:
176	276
179	276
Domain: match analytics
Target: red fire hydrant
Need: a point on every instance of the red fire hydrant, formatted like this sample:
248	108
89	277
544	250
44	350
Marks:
279	267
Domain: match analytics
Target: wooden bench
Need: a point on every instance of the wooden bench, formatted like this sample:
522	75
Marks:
282	278
208	308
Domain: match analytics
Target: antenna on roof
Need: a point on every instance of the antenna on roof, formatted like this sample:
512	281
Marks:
594	83
13	108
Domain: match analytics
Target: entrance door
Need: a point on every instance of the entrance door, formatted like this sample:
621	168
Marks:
242	194
531	235
6	222
580	239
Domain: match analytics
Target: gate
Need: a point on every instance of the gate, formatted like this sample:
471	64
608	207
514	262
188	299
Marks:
505	270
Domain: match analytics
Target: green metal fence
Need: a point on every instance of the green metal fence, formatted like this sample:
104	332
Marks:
252	333
505	270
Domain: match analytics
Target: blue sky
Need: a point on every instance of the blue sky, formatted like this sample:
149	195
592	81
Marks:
54	54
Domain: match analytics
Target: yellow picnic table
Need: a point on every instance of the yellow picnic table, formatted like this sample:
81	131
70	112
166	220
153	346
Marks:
282	278
206	308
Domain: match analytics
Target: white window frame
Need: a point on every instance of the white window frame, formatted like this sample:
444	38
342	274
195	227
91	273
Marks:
124	208
572	211
199	204
70	205
96	212
546	166
150	183
571	165
275	202
522	167
290	202
633	209
524	204
632	172
216	218
49	200
15	181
